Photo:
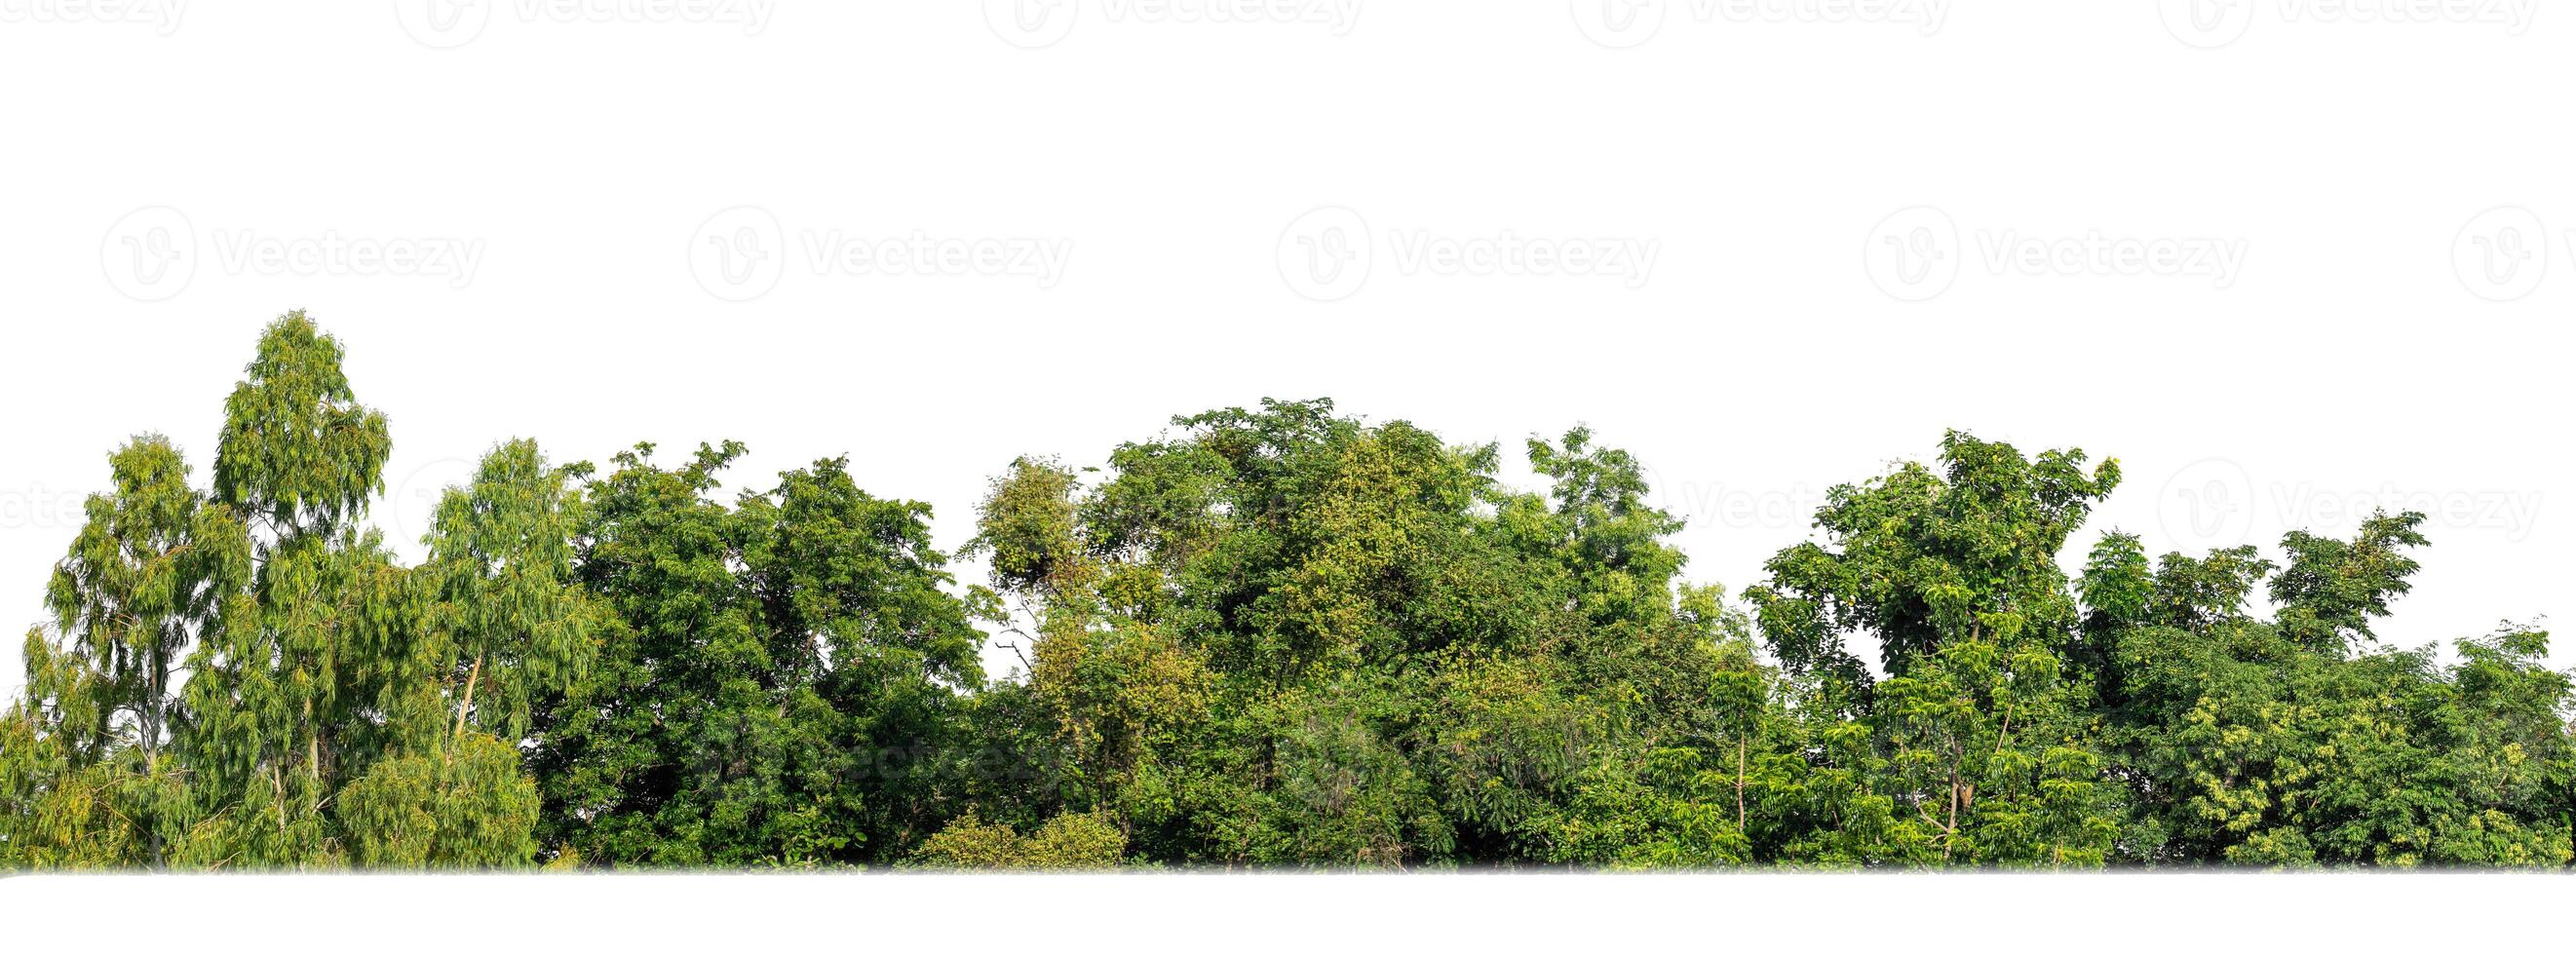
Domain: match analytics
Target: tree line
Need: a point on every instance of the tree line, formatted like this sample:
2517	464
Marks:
1280	636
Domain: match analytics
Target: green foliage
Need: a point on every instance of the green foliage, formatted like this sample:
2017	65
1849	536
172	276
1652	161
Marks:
245	678
298	453
501	554
152	569
1928	557
1071	841
469	808
779	683
2257	742
2332	588
1278	636
1288	637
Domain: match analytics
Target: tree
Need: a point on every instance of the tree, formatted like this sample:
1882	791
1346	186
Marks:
283	702
1969	552
2333	588
1977	743
299	456
502	554
304	727
1280	636
779	682
151	571
1287	636
2267	742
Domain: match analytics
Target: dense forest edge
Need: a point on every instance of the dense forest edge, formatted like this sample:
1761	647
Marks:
1272	637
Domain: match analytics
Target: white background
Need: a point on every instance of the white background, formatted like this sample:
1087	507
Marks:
1305	914
1772	157
2381	337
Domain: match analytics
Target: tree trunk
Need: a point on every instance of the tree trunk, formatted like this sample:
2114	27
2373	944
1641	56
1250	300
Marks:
1739	785
152	826
313	753
472	677
152	749
1950	833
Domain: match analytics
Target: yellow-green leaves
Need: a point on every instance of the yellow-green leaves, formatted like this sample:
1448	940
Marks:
513	623
1075	841
298	454
470	808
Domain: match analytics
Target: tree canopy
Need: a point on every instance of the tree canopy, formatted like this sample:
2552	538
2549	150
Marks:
1275	636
